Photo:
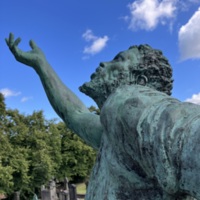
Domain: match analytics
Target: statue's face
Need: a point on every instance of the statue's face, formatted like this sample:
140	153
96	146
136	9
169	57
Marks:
130	67
113	70
109	75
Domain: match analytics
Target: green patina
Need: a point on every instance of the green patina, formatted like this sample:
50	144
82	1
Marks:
148	142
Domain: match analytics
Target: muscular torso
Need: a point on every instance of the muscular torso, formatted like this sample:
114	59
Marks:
137	125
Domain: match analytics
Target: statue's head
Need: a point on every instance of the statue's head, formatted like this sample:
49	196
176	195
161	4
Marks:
140	65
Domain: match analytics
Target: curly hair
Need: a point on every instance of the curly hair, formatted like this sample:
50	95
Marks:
155	68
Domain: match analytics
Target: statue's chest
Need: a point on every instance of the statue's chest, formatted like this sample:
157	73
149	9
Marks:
119	118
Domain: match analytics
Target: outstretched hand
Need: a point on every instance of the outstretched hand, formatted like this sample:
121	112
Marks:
31	58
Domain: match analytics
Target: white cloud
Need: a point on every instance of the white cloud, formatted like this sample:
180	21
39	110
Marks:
24	99
147	14
194	99
88	35
8	93
97	43
96	46
189	38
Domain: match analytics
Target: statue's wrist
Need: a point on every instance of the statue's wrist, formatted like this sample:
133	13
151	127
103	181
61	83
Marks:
39	64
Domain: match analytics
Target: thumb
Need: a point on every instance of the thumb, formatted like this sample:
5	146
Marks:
33	44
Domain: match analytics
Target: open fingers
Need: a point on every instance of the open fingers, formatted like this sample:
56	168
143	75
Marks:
11	42
11	38
13	45
17	41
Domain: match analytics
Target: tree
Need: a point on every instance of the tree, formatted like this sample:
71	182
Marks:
32	161
6	178
6	171
34	150
2	105
77	157
2	110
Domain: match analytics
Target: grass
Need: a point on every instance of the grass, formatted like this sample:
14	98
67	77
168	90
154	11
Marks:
81	188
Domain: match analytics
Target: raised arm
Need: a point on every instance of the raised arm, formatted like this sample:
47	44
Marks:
66	104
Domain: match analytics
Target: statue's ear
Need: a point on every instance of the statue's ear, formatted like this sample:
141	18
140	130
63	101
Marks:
141	80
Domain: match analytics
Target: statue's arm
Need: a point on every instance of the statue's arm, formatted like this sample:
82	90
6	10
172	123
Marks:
66	104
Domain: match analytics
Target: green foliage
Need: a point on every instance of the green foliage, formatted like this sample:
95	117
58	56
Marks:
34	150
6	171
2	110
94	110
77	157
2	105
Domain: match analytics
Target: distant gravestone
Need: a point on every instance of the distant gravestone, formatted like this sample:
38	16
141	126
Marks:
35	197
50	192
16	195
72	192
45	194
64	195
52	187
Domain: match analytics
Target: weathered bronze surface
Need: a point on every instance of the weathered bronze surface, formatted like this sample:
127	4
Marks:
148	142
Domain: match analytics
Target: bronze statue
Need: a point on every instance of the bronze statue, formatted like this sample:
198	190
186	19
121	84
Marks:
148	142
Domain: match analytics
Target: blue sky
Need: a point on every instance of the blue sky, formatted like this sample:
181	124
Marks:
76	35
